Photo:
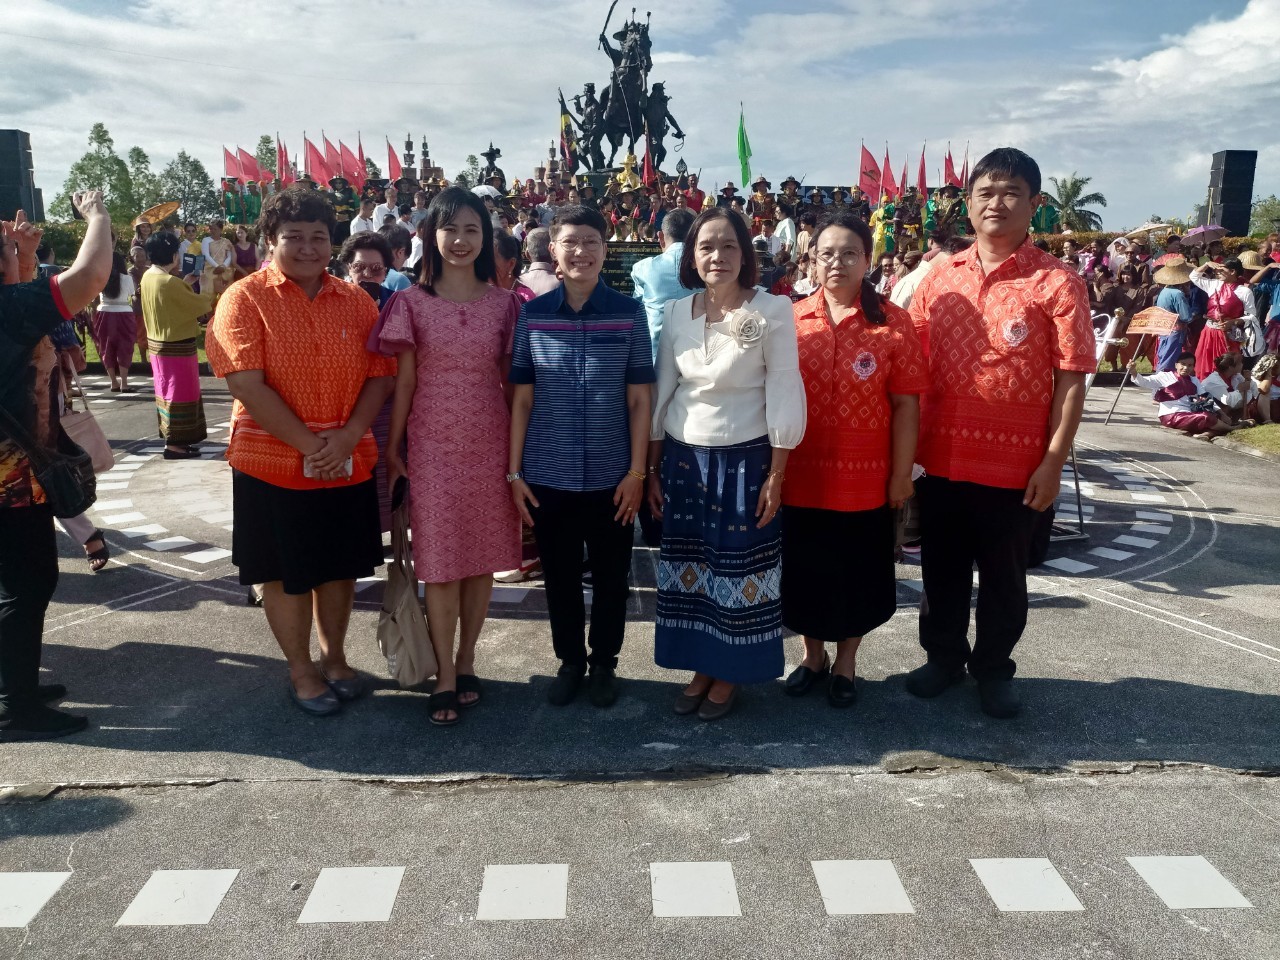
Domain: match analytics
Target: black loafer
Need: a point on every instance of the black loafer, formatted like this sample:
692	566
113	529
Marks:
932	679
801	680
566	684
602	687
842	692
998	699
324	705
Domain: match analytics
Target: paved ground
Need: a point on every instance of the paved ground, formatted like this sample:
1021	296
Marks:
1151	671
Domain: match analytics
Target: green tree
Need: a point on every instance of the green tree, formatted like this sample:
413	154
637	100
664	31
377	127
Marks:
1073	203
265	153
371	169
470	174
99	169
145	183
186	180
1266	216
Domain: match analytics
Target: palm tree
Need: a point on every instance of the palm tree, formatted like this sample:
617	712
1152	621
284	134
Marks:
1071	200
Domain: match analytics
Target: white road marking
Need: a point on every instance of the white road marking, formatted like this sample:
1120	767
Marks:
1025	885
106	506
353	895
147	530
1149	529
1150	497
23	895
1108	554
527	891
704	889
1188	883
112	485
1137	542
1155	515
169	543
852	887
1162	619
1068	565
173	898
207	556
120	518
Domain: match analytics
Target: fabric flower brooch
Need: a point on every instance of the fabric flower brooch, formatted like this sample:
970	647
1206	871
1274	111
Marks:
746	326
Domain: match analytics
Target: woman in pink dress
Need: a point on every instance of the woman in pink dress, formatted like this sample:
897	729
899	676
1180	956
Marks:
452	334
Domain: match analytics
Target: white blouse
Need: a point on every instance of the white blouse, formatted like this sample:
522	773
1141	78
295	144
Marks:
730	382
120	302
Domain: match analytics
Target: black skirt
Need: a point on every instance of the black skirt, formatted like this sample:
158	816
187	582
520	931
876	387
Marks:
837	571
304	538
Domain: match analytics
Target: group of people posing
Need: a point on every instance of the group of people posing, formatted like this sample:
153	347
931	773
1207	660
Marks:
771	440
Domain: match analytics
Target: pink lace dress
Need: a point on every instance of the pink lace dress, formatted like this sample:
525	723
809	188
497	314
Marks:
464	522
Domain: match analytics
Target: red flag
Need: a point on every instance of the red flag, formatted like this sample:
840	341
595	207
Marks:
230	164
248	166
902	184
351	167
887	186
364	170
922	181
964	170
393	163
331	155
949	177
283	173
869	177
648	174
316	165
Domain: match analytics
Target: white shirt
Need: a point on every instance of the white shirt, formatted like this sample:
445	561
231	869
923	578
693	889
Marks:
361	224
208	258
786	233
382	211
120	302
774	244
415	251
1158	381
905	288
714	391
1234	396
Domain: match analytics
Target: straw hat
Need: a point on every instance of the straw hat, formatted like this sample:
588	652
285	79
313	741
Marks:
1173	273
1251	260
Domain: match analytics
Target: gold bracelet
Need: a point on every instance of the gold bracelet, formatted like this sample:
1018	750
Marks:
635	473
778	474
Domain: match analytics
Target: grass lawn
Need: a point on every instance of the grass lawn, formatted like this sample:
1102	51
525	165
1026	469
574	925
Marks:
91	351
1265	437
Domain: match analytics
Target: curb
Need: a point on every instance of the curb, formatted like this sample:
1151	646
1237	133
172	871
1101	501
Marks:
1244	448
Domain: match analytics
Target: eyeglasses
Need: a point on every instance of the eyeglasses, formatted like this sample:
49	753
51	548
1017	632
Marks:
369	269
590	244
848	258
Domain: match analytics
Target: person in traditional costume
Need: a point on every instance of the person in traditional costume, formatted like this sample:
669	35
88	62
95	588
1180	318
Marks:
728	193
838	202
345	205
761	206
859	205
232	203
170	309
219	260
252	201
882	228
946	212
816	203
1231	306
791	193
907	221
406	187
697	198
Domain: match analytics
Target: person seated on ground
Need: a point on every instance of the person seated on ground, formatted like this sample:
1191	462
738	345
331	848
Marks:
1183	404
1264	379
1235	394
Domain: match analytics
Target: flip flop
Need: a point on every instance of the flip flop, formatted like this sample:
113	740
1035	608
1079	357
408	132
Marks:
469	683
439	702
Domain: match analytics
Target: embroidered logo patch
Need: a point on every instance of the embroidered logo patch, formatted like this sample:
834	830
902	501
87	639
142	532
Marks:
1015	331
864	365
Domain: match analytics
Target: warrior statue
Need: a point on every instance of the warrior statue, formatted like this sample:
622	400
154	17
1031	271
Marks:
622	106
656	116
491	169
590	122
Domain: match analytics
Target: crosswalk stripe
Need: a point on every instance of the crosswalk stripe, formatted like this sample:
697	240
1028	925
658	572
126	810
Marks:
172	898
1025	885
1108	554
525	891
353	895
23	895
704	889
1145	542
1188	883
1068	565
855	887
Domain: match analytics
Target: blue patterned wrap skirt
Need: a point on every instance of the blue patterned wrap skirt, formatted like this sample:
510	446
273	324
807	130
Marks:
719	577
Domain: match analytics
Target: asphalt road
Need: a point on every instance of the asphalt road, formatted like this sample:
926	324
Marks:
1132	811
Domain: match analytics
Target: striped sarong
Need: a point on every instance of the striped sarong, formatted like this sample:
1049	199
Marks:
179	408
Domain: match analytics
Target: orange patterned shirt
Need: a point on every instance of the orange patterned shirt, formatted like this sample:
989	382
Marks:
312	353
992	343
849	371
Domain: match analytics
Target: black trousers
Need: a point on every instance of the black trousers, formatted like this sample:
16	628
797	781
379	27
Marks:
963	524
28	576
563	524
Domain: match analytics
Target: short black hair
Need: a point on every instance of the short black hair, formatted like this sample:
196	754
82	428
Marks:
444	208
397	237
1235	265
1186	358
508	247
293	205
1006	163
365	240
161	248
43	250
676	224
955	243
748	274
786	209
579	215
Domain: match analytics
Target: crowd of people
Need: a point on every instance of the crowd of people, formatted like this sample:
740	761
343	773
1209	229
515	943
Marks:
787	375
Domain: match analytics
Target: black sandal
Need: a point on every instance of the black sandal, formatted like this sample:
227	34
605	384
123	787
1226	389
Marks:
98	558
440	702
469	683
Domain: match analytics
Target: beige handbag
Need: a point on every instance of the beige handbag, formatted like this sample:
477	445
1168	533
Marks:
403	636
82	427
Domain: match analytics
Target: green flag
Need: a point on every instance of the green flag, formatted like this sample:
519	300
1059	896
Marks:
744	148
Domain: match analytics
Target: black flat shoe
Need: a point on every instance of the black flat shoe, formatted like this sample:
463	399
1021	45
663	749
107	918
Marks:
842	692
566	684
931	679
174	455
325	705
49	692
40	723
801	680
998	699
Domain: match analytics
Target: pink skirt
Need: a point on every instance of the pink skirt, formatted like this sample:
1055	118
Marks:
1191	422
114	334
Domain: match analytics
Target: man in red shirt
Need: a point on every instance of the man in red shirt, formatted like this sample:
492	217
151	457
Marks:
1006	329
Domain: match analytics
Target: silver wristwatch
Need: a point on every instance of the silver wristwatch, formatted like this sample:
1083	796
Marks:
513	477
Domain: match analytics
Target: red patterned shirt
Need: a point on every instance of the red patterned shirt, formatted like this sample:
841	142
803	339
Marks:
992	343
849	371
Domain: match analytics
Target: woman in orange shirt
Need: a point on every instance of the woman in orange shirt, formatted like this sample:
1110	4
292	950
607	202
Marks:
863	372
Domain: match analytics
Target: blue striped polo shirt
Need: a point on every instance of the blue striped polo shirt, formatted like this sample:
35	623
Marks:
580	363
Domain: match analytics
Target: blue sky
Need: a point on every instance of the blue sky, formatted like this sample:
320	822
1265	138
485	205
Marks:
1136	95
